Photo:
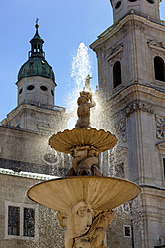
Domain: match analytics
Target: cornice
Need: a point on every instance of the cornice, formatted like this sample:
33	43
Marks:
12	131
135	98
112	30
29	175
133	91
113	51
23	107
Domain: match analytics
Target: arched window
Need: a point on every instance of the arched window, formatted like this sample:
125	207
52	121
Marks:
117	74
159	68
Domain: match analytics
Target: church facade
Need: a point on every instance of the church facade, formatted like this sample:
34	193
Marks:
131	71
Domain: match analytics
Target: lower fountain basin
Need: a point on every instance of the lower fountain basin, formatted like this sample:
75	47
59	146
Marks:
100	192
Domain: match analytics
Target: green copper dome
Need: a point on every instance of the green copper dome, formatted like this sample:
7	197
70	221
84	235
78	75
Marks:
36	67
36	64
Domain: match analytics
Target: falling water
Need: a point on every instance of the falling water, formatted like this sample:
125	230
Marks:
81	66
80	69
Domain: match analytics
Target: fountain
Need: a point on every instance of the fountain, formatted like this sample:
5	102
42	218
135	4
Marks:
84	198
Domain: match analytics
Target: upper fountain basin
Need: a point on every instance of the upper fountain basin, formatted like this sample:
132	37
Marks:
68	139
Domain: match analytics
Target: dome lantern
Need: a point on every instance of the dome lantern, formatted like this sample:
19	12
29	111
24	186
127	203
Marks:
36	44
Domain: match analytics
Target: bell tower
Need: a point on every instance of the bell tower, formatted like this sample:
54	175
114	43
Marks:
149	8
131	75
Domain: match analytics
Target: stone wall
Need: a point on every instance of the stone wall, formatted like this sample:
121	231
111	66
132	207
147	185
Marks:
26	156
22	150
14	190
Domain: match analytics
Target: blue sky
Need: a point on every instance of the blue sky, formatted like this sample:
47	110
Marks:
63	26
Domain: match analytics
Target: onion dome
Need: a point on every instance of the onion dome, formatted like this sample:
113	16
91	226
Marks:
36	64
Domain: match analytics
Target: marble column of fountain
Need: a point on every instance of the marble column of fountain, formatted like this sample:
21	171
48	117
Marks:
84	198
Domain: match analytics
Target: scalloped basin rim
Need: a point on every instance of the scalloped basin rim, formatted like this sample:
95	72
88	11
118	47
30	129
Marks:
64	141
101	192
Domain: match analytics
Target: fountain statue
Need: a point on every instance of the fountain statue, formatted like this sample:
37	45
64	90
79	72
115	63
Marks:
84	198
83	111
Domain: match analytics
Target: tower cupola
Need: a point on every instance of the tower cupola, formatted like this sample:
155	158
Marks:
36	64
146	8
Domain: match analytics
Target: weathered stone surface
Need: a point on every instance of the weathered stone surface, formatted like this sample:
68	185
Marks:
83	111
83	204
85	227
66	140
60	194
140	101
13	189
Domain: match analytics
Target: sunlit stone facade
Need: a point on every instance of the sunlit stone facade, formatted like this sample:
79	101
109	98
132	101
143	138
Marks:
131	70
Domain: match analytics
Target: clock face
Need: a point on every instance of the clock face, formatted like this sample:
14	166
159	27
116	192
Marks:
161	128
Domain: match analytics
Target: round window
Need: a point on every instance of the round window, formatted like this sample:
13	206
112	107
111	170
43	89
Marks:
132	0
118	5
20	91
44	88
151	1
30	87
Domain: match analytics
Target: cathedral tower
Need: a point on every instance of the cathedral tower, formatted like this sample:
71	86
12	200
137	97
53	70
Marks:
36	81
131	71
36	84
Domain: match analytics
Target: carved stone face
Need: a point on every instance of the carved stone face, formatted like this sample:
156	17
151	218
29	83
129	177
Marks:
82	211
80	218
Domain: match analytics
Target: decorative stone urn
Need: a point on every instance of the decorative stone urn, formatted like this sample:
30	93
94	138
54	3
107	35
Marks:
84	198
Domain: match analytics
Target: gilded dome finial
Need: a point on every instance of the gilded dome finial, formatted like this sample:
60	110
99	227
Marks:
37	25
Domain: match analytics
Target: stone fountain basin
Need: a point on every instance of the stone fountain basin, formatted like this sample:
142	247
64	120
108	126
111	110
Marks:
66	140
100	192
